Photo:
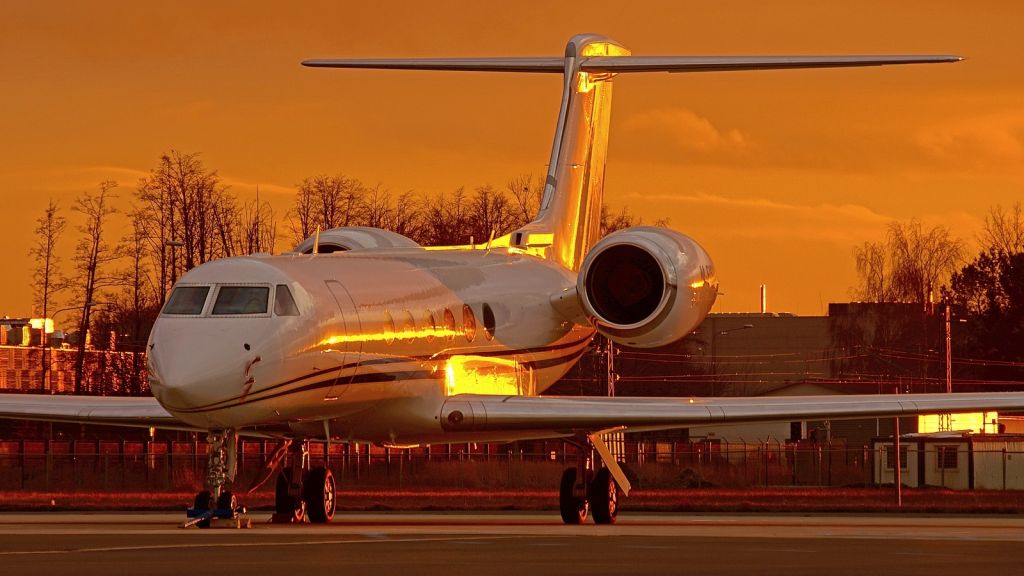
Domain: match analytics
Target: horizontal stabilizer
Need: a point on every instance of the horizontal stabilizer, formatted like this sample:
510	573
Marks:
622	64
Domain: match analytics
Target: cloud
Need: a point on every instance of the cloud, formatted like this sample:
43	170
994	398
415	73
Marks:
986	141
685	130
844	224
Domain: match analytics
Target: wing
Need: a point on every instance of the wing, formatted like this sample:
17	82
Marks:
469	412
622	64
117	411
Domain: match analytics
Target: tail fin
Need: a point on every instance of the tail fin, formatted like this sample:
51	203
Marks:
569	220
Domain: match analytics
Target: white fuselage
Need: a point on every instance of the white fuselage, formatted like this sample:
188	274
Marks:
380	340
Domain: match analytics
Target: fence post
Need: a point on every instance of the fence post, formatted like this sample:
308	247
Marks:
1004	466
869	472
48	464
830	463
765	463
21	461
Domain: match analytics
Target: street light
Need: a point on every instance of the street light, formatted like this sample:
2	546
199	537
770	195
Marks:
744	327
714	357
949	350
172	244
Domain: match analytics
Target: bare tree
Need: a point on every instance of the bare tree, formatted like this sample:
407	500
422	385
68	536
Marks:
190	217
325	202
526	192
615	222
376	207
45	278
446	219
259	227
909	266
490	214
406	217
1003	230
93	255
875	280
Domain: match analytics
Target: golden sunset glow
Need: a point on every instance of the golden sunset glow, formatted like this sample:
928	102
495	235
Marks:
975	422
483	375
389	336
777	174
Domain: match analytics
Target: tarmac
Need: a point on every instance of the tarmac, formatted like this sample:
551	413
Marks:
515	543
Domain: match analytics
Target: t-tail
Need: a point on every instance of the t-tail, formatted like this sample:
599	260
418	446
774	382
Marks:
569	220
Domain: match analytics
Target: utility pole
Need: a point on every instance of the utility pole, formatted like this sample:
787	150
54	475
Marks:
949	355
610	364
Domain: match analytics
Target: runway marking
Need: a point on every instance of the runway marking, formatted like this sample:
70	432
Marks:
783	550
192	545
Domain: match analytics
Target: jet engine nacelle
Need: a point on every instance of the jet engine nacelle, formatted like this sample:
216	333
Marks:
646	286
354	238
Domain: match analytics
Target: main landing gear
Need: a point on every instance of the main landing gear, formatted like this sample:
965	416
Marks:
583	491
303	492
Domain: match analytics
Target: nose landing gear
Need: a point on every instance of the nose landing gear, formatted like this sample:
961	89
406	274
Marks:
216	503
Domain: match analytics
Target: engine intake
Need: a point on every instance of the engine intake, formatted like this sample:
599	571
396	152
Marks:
646	286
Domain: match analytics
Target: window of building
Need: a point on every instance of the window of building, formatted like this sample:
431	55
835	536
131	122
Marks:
284	304
468	323
187	300
946	457
242	300
888	457
488	322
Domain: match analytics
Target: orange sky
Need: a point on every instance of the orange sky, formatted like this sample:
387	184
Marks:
778	174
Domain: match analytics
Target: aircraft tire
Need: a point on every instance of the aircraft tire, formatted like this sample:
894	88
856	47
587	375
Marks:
572	508
203	502
227	501
320	494
603	494
285	505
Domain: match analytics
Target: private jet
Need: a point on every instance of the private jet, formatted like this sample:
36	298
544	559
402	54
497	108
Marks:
362	335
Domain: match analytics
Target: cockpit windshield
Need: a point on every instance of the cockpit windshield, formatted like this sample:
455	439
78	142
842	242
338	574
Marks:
187	300
284	304
241	300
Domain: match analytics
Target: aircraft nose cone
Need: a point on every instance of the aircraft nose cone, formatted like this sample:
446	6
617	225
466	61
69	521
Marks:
195	366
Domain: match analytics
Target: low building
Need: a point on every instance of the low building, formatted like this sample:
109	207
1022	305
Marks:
953	460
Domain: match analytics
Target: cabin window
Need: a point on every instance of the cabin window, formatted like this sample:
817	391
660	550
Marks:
449	325
241	300
187	300
430	324
389	328
284	304
488	322
468	323
408	328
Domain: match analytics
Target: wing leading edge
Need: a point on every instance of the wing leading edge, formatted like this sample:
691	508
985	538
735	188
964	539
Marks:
624	64
116	411
468	412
